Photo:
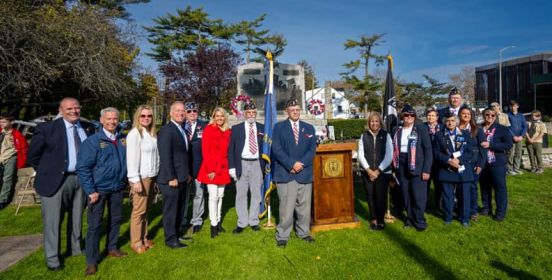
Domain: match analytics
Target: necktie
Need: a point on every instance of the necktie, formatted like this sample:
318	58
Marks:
252	140
296	133
76	138
189	130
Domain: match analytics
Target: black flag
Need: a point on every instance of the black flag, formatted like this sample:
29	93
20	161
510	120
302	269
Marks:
390	104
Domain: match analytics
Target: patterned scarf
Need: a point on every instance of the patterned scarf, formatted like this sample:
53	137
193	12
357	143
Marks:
413	140
490	154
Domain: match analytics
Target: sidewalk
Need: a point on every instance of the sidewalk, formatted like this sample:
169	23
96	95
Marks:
15	248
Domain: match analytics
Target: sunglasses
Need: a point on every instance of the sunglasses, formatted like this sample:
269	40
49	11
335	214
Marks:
490	115
406	115
146	116
191	111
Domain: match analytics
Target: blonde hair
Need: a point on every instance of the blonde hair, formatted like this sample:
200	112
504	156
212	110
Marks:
136	120
373	115
225	125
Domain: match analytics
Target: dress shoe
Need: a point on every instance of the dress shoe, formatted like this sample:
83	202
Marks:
55	268
149	244
91	269
139	250
373	226
421	229
281	243
184	238
484	212
238	230
176	245
498	219
116	253
196	229
255	228
220	228
308	239
214	231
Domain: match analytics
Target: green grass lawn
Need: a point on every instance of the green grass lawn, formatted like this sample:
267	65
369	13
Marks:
520	247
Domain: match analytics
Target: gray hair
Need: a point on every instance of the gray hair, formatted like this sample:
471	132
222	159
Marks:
109	109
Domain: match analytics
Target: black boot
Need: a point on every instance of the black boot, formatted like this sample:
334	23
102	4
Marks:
220	228
214	231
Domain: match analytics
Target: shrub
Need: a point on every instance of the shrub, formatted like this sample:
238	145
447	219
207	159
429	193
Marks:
352	129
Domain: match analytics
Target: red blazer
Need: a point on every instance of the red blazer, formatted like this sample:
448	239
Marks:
21	146
214	148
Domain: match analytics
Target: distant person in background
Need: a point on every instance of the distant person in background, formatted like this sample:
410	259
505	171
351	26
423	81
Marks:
502	118
518	128
214	166
142	166
412	159
102	170
454	157
455	102
535	134
433	127
53	155
467	122
375	153
13	156
497	142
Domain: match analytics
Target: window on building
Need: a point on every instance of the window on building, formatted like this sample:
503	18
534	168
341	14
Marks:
340	109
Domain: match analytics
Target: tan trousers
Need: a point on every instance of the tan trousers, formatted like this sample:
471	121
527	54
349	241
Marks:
141	202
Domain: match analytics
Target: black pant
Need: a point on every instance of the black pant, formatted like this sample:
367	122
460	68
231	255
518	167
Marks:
414	194
95	213
376	195
173	199
493	177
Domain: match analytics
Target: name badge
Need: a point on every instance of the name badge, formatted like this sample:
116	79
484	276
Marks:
461	168
457	154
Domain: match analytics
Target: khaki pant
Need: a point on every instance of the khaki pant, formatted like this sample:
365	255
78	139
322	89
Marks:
141	202
535	154
514	157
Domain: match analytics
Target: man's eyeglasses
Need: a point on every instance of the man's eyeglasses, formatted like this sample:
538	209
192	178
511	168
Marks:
146	116
191	111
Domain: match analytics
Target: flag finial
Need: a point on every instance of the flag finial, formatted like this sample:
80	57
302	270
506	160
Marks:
390	58
269	55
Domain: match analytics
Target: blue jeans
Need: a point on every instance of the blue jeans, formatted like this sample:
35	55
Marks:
95	214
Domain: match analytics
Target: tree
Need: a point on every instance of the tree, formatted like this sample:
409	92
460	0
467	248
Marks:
186	31
366	86
310	79
465	82
52	51
250	37
115	8
207	76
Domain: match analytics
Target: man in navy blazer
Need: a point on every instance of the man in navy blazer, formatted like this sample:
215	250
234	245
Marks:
455	102
293	149
53	155
174	172
194	131
246	167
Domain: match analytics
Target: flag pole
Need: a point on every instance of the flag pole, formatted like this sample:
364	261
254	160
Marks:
389	96
269	124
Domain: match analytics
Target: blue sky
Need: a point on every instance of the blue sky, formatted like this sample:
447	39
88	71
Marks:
425	37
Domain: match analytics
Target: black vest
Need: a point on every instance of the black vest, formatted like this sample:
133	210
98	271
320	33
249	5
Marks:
374	152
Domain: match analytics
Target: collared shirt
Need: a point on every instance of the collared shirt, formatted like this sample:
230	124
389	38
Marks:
110	135
386	161
192	127
455	111
246	153
182	132
71	152
7	148
298	124
518	125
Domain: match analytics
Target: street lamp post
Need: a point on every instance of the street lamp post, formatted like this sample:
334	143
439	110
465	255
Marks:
500	73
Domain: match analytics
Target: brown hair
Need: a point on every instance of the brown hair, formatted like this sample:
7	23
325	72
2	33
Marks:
373	115
473	124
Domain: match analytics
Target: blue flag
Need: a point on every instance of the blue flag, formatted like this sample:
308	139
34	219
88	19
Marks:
270	119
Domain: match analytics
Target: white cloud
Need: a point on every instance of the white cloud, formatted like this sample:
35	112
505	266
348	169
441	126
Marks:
441	72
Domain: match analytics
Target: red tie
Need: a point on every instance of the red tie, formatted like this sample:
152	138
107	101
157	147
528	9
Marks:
252	140
296	133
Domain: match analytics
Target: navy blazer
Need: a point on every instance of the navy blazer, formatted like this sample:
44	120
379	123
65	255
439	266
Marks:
438	127
196	155
442	112
237	144
501	143
285	152
174	158
49	154
424	153
442	152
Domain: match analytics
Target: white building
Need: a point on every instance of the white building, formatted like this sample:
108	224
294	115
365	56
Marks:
341	107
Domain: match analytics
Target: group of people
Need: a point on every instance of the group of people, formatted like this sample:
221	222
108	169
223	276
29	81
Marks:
451	152
79	166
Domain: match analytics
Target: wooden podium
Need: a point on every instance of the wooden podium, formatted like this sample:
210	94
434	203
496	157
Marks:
333	201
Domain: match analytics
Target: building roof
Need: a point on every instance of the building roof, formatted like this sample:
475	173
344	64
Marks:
518	60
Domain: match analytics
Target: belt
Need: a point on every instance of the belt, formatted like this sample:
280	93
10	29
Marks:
70	173
250	159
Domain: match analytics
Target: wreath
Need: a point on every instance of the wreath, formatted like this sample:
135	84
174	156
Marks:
315	107
237	103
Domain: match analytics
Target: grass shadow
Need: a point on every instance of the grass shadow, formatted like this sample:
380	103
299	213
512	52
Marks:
514	273
428	263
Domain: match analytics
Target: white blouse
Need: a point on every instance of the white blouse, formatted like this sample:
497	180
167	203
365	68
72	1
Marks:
142	155
404	139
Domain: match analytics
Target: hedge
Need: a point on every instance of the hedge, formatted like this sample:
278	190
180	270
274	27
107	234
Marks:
352	129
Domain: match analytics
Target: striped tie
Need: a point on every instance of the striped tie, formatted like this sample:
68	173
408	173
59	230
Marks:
252	140
296	133
189	130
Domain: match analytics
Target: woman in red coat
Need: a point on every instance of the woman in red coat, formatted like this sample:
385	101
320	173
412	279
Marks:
214	165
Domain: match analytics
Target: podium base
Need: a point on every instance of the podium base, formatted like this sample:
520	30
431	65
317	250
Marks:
326	227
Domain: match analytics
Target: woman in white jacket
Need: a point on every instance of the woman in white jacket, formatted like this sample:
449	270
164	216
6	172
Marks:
143	166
